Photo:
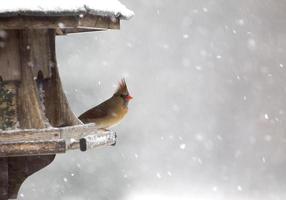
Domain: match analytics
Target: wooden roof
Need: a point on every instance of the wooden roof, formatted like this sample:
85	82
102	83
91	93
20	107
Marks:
66	16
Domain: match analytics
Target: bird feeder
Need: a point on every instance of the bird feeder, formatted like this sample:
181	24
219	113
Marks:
36	121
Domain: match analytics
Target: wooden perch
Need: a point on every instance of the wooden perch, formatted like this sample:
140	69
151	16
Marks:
97	140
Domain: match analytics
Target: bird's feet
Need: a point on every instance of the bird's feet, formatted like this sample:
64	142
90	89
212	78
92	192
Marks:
115	136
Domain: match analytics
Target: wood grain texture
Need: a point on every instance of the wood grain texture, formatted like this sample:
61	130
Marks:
30	113
88	22
9	56
29	148
40	59
66	133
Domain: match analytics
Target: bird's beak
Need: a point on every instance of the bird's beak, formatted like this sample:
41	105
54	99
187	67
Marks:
129	97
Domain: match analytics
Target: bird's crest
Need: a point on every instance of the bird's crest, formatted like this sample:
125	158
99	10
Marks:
122	87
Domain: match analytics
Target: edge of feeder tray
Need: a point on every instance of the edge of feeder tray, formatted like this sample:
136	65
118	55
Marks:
27	142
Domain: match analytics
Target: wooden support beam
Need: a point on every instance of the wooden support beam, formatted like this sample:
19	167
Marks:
9	56
30	112
28	148
53	140
62	22
70	132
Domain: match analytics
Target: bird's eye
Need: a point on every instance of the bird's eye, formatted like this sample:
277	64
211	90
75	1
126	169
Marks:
123	96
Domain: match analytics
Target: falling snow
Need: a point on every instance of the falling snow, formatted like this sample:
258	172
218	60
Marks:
199	137
263	159
185	36
182	146
240	22
251	43
266	116
158	175
214	188
268	138
208	109
199	68
3	34
205	10
61	25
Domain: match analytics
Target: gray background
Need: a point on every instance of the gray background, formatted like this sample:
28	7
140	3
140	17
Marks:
208	117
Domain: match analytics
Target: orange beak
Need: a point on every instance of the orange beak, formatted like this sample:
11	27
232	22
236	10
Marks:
129	97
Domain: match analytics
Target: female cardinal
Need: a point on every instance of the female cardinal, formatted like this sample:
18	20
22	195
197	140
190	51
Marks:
110	112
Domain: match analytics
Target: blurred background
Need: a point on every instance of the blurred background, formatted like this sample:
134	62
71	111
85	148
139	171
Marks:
208	117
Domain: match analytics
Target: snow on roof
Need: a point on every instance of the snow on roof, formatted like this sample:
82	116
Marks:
64	7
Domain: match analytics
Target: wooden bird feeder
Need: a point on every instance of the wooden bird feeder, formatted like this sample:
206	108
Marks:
36	121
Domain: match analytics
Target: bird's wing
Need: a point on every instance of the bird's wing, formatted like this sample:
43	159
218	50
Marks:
99	111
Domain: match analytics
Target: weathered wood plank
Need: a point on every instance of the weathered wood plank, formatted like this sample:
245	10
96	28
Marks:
67	133
28	148
30	113
82	137
54	22
40	49
9	55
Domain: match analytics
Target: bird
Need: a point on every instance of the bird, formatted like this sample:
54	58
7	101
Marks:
110	112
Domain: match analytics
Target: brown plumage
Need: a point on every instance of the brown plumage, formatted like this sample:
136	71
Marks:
111	111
